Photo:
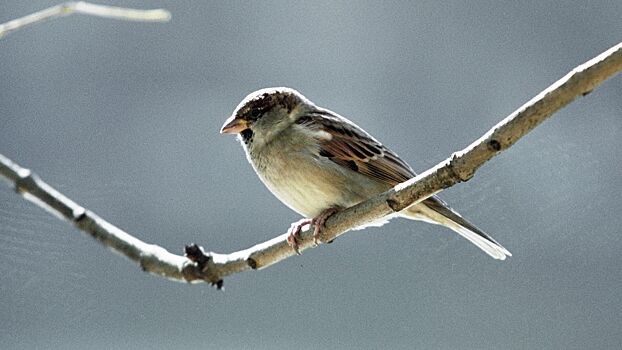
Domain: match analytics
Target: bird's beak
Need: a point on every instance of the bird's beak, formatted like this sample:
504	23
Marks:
234	125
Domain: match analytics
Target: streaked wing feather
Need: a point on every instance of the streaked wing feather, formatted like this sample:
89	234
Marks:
351	147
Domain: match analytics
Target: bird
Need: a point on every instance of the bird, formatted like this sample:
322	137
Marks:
318	162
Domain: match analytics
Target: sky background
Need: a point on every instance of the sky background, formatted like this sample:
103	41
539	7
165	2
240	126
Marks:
123	118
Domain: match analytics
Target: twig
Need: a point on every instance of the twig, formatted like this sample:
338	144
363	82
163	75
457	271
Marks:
212	267
85	8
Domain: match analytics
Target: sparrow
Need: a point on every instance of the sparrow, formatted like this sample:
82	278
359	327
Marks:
318	162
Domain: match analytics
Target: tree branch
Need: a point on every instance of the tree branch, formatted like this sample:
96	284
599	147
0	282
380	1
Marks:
212	267
85	8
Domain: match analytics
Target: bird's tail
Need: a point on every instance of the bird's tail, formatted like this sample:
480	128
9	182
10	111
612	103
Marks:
435	211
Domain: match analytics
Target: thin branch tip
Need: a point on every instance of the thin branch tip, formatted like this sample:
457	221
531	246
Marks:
85	8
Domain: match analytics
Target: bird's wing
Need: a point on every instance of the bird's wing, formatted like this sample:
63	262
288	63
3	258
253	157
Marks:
352	147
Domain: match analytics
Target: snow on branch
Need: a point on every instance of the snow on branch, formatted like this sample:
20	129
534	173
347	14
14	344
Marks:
198	265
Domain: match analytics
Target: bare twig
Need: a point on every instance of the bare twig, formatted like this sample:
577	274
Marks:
85	8
213	267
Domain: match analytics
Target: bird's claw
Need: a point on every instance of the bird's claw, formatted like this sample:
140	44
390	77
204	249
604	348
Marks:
318	224
319	221
294	233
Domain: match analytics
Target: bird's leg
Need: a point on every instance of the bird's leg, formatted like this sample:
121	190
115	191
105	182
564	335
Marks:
294	232
317	222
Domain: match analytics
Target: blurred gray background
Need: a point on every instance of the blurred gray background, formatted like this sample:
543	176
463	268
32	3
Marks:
124	118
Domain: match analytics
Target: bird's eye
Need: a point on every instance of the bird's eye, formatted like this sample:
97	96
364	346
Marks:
255	113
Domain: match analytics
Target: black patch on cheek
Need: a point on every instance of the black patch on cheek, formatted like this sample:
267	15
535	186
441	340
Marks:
247	135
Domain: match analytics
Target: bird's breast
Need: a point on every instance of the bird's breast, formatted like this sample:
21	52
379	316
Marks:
306	182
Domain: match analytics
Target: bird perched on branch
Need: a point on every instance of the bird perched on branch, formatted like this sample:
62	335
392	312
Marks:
318	162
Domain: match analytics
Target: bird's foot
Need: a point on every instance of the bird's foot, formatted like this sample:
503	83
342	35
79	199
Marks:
294	233
317	222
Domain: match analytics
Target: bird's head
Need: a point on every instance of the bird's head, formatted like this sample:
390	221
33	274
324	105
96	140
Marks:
266	112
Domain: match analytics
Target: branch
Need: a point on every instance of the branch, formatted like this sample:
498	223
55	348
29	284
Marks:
213	267
85	8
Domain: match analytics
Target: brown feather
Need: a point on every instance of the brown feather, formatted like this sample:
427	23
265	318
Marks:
351	147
